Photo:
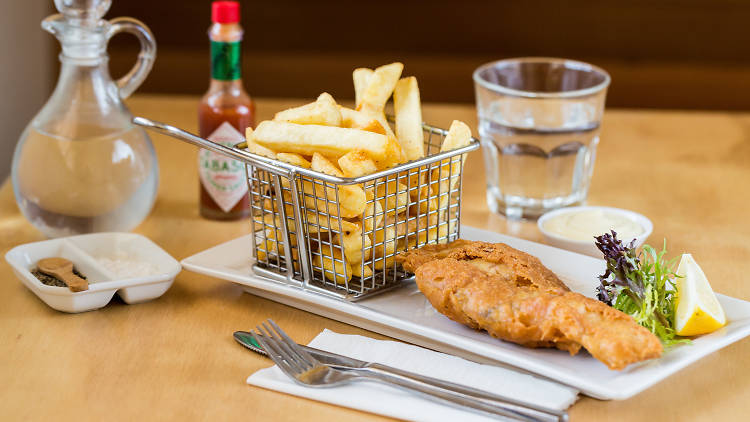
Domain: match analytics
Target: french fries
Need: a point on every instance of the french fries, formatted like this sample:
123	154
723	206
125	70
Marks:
351	242
384	241
394	154
254	148
423	199
266	220
321	164
351	198
361	270
380	86
396	196
459	135
357	163
409	118
327	140
354	230
361	77
337	269
374	214
324	111
329	226
359	120
294	159
427	235
372	90
316	222
351	203
274	245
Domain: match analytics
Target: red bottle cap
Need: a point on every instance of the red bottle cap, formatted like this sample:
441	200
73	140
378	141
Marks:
225	12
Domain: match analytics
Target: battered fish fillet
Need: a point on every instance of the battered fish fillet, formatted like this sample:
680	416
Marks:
511	295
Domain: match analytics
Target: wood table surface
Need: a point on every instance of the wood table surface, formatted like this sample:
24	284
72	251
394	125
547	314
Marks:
174	357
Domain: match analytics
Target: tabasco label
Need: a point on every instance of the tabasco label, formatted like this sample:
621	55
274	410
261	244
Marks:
223	177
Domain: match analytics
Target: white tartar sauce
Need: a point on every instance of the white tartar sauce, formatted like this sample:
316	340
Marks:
585	224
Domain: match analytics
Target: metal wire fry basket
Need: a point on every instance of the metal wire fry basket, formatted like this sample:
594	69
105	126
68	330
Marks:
304	237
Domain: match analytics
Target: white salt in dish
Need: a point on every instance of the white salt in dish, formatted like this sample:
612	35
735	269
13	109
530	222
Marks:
128	264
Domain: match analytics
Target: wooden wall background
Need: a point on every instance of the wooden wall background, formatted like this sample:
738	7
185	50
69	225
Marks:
692	54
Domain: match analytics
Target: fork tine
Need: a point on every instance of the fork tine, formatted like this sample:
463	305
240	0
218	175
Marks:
274	354
264	341
290	352
293	345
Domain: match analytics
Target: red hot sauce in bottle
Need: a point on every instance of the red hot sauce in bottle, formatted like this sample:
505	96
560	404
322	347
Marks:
225	111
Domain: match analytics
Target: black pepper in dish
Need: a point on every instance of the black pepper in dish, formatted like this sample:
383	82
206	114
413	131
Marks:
53	281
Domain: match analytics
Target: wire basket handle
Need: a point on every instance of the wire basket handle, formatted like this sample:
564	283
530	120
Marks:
207	144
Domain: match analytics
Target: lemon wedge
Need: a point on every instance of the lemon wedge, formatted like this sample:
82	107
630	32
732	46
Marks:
698	311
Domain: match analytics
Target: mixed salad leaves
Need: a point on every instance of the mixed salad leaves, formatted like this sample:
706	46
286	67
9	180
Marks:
640	285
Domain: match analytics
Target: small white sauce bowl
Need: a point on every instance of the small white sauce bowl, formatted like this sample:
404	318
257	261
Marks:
588	247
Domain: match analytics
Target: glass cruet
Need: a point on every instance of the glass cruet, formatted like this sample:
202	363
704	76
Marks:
81	165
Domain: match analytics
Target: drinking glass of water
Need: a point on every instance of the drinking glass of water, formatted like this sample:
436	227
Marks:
539	126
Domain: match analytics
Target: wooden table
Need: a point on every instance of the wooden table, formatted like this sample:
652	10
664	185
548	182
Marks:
175	358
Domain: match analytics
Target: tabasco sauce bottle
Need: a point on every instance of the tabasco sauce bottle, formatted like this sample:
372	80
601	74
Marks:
225	111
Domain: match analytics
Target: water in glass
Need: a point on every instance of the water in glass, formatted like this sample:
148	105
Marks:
535	168
539	125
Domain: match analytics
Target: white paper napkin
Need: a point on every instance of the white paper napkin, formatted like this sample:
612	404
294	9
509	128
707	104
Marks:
390	401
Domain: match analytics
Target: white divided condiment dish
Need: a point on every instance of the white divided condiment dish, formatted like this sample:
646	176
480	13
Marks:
588	247
86	251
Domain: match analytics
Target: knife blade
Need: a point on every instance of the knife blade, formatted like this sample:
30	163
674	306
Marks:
248	340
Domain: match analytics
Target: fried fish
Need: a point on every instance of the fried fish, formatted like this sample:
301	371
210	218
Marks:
511	295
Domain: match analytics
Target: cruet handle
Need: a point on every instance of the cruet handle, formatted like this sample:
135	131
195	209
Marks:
133	79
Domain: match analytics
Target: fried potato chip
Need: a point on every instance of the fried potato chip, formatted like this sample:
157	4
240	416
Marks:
373	215
380	117
361	77
394	154
352	243
359	120
274	246
317	224
408	110
459	135
327	140
324	111
412	223
293	159
423	198
395	196
322	198
380	87
316	221
384	246
375	123
357	163
426	236
337	269
268	219
258	149
323	165
361	270
351	198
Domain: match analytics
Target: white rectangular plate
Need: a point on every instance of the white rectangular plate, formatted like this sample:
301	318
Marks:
404	313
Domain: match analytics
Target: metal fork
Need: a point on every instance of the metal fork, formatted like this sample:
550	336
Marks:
304	369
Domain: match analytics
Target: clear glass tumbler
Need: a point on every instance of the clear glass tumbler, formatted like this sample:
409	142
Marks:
539	125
